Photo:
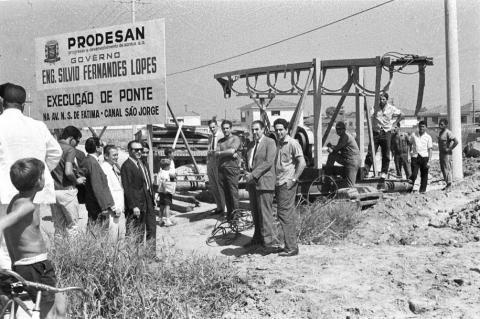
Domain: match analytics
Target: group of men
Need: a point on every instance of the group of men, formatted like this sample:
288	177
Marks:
74	181
272	170
412	152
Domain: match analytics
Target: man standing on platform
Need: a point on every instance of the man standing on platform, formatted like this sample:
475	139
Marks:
261	188
228	161
21	137
446	143
138	189
212	167
382	121
289	165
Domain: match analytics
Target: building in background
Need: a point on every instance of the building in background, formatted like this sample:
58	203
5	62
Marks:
276	109
189	118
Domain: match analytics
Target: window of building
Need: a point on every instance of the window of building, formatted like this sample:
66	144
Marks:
435	119
276	113
464	119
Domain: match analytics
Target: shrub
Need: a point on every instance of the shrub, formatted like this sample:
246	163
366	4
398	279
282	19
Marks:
126	280
321	223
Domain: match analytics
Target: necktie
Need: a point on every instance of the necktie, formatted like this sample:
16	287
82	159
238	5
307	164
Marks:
213	142
115	172
145	176
253	154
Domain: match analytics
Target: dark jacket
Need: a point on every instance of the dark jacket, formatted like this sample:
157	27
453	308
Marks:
97	193
134	186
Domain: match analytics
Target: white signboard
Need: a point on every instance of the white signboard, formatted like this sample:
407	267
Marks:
101	77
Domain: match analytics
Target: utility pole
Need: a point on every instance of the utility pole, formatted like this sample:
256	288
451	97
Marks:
134	127
453	84
473	103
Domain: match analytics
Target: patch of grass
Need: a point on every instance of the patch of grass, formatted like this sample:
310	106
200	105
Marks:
321	223
126	280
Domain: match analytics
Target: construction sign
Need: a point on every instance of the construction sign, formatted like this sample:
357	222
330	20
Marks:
102	77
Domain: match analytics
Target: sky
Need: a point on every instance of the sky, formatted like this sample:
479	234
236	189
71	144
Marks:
201	32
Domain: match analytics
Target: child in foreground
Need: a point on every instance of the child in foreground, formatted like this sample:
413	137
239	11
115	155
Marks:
166	188
25	244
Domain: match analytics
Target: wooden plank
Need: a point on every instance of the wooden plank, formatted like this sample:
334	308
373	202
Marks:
299	109
359	119
317	114
181	207
263	70
244	204
345	88
344	63
370	137
184	139
186	198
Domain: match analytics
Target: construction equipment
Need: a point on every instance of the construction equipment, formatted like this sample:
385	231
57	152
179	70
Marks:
263	84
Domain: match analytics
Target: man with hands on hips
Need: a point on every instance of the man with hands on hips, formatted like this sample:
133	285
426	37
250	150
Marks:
289	165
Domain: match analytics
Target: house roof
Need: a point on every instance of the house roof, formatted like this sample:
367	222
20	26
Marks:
442	110
186	113
275	104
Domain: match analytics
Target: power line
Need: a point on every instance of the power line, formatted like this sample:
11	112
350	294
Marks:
283	40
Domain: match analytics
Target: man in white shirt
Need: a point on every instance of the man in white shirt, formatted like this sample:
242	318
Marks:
21	137
212	167
421	154
382	124
116	220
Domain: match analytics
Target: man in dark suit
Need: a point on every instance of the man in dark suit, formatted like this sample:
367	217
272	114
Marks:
137	186
98	198
261	188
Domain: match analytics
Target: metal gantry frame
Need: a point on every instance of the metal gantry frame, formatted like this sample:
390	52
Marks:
314	85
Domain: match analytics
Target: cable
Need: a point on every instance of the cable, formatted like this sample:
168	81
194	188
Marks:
228	230
283	40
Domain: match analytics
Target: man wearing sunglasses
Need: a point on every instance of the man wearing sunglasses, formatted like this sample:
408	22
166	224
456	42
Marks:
138	188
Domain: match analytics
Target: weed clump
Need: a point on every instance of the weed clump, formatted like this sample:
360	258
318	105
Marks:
321	223
127	280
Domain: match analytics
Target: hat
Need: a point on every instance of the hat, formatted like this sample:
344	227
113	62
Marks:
13	93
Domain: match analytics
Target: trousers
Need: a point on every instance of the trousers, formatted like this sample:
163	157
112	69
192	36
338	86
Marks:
382	139
446	167
228	181
213	184
401	161
261	205
287	214
420	163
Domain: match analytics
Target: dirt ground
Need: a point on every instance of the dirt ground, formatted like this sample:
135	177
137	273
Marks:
410	256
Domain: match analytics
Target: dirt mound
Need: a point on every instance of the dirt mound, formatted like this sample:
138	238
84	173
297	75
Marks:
433	218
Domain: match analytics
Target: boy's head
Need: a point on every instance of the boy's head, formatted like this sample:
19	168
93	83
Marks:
165	163
168	152
27	174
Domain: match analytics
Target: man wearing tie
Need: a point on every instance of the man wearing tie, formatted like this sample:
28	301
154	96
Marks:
261	188
116	221
212	167
137	186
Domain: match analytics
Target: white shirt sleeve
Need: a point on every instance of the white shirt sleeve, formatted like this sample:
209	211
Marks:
53	150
